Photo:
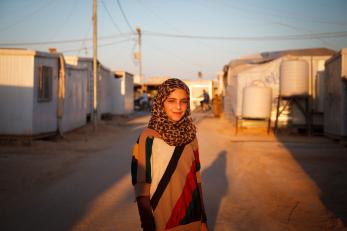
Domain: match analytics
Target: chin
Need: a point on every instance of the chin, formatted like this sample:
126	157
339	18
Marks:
176	118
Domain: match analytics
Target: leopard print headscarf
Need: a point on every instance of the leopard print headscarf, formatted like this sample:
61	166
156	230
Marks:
173	133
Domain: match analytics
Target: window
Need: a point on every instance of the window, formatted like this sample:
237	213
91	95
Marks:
45	83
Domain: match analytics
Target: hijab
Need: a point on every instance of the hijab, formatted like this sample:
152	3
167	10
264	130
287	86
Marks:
173	133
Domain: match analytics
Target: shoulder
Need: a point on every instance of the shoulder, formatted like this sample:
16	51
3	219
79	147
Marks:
148	133
195	143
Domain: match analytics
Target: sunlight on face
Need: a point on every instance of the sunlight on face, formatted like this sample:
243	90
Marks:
176	104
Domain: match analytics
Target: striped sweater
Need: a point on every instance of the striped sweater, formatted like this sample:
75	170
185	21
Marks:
170	176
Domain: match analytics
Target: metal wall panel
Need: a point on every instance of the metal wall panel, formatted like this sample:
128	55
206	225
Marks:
16	93
335	105
75	102
45	112
129	93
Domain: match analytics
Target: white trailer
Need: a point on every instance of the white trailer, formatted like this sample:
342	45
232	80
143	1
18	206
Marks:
28	92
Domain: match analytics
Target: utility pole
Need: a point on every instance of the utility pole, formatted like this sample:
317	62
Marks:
95	67
139	55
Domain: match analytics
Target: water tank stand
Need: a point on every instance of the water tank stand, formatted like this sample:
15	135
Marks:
294	100
240	119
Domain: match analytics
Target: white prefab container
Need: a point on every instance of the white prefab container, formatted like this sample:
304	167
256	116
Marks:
106	88
196	88
128	86
88	64
28	92
257	102
75	100
124	94
118	98
294	76
335	105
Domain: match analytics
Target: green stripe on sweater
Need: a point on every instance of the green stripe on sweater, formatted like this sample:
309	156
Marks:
149	143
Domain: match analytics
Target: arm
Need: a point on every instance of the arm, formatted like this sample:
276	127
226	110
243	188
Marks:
141	180
203	212
145	212
198	177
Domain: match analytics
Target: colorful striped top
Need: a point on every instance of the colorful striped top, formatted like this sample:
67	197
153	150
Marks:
170	176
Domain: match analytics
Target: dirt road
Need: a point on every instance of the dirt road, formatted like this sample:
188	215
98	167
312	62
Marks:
250	182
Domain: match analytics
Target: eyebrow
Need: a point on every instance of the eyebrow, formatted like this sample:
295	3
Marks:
177	99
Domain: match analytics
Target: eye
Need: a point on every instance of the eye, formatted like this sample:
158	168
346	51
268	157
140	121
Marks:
185	101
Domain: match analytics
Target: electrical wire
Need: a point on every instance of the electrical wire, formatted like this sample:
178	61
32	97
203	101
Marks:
161	19
83	44
102	45
66	19
266	12
338	34
323	42
112	20
66	41
180	59
271	14
24	18
124	16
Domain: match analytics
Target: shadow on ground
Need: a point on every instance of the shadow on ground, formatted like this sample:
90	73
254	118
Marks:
215	186
325	163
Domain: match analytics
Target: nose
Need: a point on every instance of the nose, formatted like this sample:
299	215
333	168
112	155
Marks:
178	105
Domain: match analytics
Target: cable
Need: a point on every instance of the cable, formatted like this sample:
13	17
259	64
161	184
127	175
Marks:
324	43
255	38
26	16
113	22
65	41
124	16
162	20
83	44
267	12
298	29
337	34
175	55
66	19
103	45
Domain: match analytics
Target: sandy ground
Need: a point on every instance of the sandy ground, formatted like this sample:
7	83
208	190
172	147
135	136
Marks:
252	181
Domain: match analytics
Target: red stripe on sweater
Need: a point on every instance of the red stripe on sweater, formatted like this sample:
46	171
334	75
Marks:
184	200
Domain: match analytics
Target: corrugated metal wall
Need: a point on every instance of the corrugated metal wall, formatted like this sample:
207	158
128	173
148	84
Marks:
335	109
16	94
129	93
118	96
45	112
106	86
75	102
88	63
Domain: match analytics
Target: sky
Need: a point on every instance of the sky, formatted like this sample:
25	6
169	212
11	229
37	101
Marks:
180	38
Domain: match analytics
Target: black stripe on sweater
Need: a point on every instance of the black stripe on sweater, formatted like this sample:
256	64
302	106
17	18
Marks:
164	181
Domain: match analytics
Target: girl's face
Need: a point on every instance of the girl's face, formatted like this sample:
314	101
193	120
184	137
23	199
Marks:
176	104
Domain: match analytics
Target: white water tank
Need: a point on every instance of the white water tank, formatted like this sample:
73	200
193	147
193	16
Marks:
257	102
294	78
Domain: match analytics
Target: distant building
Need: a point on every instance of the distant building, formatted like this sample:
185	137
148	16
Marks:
126	102
196	88
263	69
